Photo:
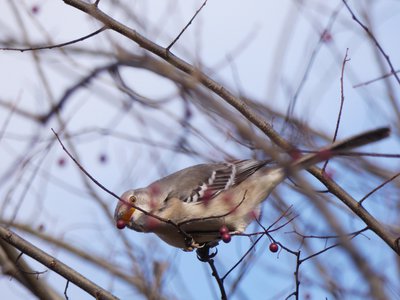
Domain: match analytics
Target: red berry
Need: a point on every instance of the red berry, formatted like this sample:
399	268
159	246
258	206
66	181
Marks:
61	162
223	230
273	247
121	224
35	9
226	237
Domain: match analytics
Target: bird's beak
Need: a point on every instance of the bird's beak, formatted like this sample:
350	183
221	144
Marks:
127	215
123	215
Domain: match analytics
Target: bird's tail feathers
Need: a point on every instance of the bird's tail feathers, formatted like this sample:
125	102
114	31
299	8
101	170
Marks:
341	147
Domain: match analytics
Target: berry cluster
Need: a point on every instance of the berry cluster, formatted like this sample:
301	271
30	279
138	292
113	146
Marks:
225	235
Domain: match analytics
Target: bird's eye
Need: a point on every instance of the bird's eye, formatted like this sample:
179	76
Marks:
132	199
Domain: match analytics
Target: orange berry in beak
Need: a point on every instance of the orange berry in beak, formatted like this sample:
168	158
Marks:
121	223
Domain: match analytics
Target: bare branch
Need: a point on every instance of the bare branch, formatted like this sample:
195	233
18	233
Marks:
378	188
186	27
372	36
54	264
48	47
345	59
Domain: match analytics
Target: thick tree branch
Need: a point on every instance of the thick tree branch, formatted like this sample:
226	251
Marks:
15	266
54	264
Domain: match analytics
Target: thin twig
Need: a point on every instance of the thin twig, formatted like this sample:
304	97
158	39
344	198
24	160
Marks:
299	261
187	25
296	276
374	80
204	255
83	82
311	61
219	280
329	236
345	59
378	187
66	290
21	269
48	47
243	257
378	45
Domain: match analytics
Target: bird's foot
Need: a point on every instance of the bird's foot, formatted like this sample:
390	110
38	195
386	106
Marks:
203	253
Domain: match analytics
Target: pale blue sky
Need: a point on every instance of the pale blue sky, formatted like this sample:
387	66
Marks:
257	29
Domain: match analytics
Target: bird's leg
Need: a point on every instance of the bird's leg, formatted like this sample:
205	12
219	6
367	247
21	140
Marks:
191	244
203	253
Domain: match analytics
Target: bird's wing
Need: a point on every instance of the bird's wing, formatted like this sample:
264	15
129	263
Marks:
204	182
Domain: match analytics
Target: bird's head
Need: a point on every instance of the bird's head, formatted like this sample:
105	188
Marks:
129	211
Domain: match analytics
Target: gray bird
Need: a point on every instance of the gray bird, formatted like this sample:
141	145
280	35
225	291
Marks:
188	209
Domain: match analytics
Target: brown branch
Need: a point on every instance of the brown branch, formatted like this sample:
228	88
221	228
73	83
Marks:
54	264
23	273
136	279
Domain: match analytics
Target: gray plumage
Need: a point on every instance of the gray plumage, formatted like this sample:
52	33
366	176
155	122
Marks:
202	198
